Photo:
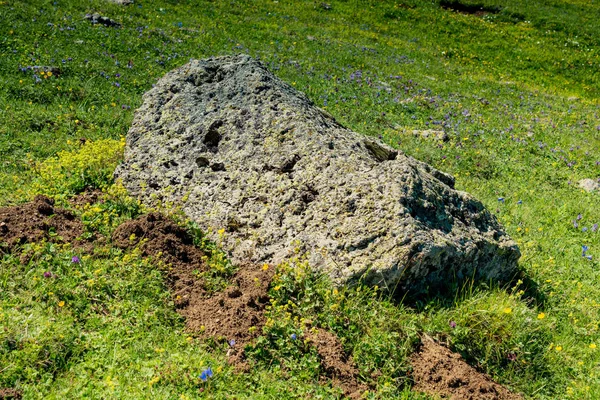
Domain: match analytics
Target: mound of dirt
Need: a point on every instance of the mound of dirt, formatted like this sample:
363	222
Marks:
10	394
235	315
232	313
338	366
440	372
166	240
36	221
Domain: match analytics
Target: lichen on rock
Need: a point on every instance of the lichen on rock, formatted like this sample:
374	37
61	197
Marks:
241	150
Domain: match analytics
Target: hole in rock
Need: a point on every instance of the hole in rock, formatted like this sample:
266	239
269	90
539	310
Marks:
218	167
212	138
289	164
202	162
170	163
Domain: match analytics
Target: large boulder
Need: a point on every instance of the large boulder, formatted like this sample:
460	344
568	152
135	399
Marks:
244	152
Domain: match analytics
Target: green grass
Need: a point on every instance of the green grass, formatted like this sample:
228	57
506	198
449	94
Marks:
517	92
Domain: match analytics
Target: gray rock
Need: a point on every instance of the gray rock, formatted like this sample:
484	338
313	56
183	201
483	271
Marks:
243	151
96	18
590	185
431	134
41	68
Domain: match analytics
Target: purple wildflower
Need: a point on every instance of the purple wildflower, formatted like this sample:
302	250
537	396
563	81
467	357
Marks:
47	274
579	217
452	324
575	224
520	202
294	336
584	229
207	373
232	342
594	227
75	260
501	199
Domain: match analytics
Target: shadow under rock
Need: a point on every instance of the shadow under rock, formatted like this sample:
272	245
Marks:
445	295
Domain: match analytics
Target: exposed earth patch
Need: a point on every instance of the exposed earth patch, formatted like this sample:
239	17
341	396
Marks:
438	371
337	365
36	221
235	315
10	394
158	236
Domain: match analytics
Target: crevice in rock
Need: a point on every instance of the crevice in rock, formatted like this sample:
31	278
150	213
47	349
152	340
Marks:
290	163
170	163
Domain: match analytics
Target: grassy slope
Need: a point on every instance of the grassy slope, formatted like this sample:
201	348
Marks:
517	92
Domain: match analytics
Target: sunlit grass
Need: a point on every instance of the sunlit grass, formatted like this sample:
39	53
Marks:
517	93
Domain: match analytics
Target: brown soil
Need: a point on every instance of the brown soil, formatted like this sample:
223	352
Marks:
87	197
36	221
12	394
235	315
338	366
438	371
164	239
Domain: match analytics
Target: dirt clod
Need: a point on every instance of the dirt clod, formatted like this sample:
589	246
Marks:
10	394
440	372
36	221
338	366
87	197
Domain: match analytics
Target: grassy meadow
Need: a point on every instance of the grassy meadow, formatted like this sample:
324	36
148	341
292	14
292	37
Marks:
516	88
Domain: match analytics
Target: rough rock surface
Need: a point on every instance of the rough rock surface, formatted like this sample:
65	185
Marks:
243	151
590	185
